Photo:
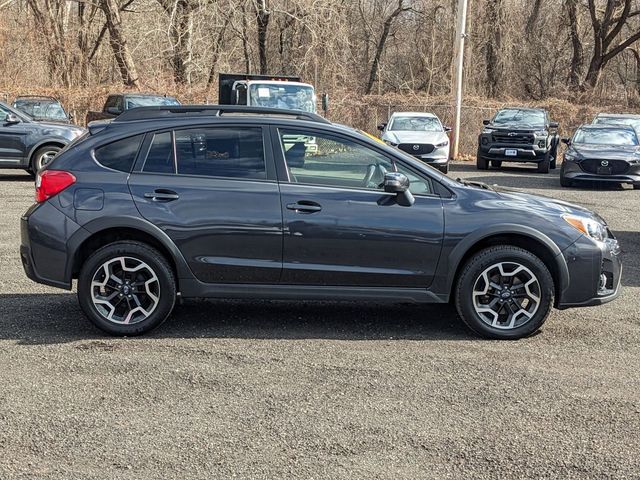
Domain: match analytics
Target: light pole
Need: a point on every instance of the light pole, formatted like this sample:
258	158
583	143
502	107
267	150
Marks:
461	34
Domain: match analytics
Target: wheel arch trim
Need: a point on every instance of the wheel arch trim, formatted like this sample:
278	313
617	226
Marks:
94	227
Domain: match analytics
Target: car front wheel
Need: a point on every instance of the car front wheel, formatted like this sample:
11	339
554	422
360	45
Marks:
504	292
126	288
43	157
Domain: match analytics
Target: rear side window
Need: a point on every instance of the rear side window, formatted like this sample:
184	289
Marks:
119	155
221	152
160	156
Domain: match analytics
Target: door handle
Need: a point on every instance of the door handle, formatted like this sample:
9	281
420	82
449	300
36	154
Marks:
304	206
162	195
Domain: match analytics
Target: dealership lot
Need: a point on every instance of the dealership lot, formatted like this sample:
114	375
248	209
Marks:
318	390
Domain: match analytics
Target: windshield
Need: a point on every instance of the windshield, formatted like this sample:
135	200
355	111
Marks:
605	136
41	109
146	101
519	117
632	122
293	97
415	124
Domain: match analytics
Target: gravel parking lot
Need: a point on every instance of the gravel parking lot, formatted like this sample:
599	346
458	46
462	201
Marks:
308	390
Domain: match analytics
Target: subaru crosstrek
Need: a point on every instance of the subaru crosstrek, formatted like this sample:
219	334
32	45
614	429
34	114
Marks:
228	202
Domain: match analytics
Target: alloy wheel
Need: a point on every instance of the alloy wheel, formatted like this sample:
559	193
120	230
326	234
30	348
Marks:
506	295
125	290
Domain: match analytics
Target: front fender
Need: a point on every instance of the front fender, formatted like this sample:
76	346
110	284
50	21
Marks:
458	253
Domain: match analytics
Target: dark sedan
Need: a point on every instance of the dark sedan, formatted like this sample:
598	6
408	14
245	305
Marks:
602	153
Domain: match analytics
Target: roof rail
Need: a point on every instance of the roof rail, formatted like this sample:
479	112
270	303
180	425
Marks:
169	111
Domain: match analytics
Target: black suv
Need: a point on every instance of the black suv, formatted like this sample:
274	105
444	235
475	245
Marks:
231	202
519	135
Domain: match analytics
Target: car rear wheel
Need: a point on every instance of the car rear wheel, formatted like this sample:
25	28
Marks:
504	292
126	288
43	156
496	163
481	163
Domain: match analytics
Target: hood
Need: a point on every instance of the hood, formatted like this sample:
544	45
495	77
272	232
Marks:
547	205
510	127
407	136
609	152
62	130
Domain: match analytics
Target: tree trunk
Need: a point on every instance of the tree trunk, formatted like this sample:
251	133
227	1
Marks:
493	51
118	43
577	56
262	15
373	73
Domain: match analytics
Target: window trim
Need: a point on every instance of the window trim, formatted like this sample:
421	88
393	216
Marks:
283	169
270	170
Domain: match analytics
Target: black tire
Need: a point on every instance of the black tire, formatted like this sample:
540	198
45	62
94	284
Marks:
636	186
41	157
444	168
553	164
564	181
545	163
496	163
471	274
136	251
481	162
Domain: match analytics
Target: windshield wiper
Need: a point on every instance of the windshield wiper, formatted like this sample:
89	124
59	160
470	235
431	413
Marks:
469	183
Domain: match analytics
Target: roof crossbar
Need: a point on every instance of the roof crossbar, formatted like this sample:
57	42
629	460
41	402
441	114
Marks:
172	111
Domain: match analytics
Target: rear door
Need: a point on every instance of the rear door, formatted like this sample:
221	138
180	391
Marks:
341	228
213	190
13	137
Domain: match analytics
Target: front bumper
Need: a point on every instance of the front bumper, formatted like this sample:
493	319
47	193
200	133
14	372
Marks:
595	272
573	171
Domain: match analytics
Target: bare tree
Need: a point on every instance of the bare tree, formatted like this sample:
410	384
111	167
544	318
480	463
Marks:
263	15
608	25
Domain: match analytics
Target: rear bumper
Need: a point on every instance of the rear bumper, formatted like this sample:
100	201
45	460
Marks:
44	231
595	273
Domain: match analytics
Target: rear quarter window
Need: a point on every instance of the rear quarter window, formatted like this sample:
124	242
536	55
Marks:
119	155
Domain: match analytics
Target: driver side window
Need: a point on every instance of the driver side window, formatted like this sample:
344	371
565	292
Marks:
321	159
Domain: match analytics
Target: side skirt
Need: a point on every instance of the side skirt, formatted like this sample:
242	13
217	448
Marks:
190	288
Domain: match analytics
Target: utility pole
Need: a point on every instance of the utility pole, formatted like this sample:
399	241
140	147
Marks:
461	34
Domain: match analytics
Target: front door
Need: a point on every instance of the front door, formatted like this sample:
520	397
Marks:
213	191
341	228
12	141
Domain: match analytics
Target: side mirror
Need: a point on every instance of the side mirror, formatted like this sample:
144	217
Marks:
113	110
382	126
447	129
486	122
566	141
11	118
553	125
325	102
71	117
398	183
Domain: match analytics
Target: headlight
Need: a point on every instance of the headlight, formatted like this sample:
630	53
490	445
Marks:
391	143
569	158
487	131
442	144
588	226
541	133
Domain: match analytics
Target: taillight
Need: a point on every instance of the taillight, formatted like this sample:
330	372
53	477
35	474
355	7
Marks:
51	182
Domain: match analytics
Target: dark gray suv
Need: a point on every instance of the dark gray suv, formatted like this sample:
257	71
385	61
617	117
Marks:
28	144
231	202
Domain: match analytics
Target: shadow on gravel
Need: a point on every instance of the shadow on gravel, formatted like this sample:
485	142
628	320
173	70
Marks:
35	319
16	178
630	244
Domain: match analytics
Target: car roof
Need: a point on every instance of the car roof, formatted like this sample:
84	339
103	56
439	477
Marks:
526	109
413	114
37	97
607	126
617	115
